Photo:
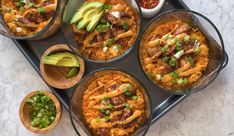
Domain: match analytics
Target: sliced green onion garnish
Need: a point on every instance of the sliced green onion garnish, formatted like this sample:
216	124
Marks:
179	54
179	46
174	74
127	106
134	97
186	38
164	49
102	110
110	106
172	62
165	58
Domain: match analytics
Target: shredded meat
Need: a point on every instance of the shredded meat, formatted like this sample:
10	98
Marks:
23	20
117	100
183	29
188	46
104	132
152	51
111	18
117	30
125	15
170	50
164	67
34	17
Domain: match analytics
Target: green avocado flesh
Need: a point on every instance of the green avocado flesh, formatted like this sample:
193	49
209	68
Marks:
84	9
62	59
89	17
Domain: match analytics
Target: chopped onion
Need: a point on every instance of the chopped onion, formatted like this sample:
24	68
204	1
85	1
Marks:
179	54
116	14
105	49
115	48
18	29
159	77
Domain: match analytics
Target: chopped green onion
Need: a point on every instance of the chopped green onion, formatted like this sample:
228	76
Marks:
102	110
191	61
174	74
185	80
119	46
127	106
109	42
127	93
103	27
124	25
106	6
172	62
134	97
127	87
21	8
159	42
107	112
164	49
180	81
110	106
107	118
8	10
194	37
179	46
186	38
173	82
30	4
165	37
41	9
197	51
98	119
179	54
165	58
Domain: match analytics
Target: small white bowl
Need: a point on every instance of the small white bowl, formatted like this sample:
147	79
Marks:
147	13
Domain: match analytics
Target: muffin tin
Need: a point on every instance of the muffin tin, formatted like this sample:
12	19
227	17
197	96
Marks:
161	100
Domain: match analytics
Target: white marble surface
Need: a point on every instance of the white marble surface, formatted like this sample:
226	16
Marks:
207	113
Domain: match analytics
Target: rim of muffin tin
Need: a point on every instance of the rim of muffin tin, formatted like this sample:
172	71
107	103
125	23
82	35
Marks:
35	35
118	70
118	58
222	64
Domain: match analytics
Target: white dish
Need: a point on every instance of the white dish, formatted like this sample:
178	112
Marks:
147	13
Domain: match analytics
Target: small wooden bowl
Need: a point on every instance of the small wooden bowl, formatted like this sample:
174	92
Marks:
56	76
24	114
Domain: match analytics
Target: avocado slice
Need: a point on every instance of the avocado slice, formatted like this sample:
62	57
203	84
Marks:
64	59
93	23
87	18
82	11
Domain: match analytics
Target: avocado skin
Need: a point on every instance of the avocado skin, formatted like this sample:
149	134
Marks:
63	59
82	11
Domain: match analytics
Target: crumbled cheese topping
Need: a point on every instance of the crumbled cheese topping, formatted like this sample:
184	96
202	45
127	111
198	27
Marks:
116	14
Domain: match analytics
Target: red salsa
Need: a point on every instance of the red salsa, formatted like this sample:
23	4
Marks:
148	4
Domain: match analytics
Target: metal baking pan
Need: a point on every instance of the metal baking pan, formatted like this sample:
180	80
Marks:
161	100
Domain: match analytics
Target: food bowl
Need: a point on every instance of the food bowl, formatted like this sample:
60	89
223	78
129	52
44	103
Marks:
148	13
49	29
56	76
76	112
217	56
78	46
24	113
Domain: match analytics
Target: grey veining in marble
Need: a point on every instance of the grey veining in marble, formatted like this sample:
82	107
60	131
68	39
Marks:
207	113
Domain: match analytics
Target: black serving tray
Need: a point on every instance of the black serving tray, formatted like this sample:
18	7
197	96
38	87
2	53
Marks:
161	100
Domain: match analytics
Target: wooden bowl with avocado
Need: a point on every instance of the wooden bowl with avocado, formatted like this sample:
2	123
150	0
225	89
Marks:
60	68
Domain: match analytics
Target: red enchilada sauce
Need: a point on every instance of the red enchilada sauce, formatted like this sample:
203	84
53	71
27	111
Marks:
148	4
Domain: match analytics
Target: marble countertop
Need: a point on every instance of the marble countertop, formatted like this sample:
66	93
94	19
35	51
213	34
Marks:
206	113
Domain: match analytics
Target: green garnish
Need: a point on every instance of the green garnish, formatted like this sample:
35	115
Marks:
98	119
191	60
164	49
19	4
165	37
127	93
103	27
127	106
124	25
106	6
105	100
165	58
110	106
107	118
134	97
185	80
41	9
8	10
186	38
119	46
174	74
172	62
42	110
127	88
72	72
109	42
180	81
194	37
107	112
173	82
197	51
30	4
102	110
179	46
150	74
21	8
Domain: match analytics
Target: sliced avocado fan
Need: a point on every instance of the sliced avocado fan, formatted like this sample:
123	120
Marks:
84	9
62	59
